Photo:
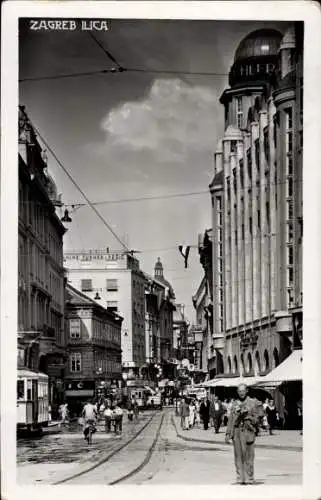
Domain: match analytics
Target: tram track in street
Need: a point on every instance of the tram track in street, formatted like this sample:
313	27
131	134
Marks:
106	459
146	459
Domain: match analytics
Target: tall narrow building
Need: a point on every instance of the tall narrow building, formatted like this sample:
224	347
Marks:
257	206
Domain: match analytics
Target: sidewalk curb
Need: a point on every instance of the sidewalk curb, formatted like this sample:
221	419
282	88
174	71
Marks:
86	468
213	441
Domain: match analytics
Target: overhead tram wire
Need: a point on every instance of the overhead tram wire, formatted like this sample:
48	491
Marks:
122	70
103	220
106	52
143	198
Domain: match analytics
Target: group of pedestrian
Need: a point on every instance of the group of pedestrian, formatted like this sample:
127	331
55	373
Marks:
190	413
113	416
193	412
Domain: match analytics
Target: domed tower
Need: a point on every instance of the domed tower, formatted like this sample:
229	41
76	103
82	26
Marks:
254	62
158	269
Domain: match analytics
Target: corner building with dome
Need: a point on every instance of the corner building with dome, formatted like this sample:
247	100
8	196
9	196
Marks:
257	206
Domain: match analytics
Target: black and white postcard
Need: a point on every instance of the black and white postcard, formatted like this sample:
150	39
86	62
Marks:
160	249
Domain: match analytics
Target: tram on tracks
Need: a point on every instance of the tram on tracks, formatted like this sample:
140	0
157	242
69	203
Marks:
32	400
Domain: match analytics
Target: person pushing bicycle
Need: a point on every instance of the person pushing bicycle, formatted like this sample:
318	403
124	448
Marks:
89	414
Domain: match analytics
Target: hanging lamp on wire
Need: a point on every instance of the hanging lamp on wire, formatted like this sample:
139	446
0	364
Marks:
66	217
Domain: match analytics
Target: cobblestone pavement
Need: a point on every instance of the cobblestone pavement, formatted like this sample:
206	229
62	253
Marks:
43	459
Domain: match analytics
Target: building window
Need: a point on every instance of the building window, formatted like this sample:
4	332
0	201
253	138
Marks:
266	145
290	187
112	285
289	165
249	363
290	210
250	225
290	255
257	154
112	305
259	219
75	362
249	166
290	276
239	112
74	328
86	285
289	233
242	231
289	119
233	146
267	211
234	179
241	174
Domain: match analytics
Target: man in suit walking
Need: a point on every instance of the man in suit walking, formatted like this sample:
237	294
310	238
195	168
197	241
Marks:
242	428
205	412
217	413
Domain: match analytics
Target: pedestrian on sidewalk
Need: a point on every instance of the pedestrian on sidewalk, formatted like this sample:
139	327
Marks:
205	412
191	414
184	415
271	416
242	429
217	413
224	418
197	413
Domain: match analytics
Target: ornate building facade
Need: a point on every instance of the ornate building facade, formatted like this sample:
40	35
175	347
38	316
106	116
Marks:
114	280
40	263
93	347
159	307
257	205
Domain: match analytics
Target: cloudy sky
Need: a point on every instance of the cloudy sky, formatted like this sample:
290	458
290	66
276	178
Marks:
135	134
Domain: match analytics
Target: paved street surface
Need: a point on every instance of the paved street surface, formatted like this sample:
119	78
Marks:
172	460
43	460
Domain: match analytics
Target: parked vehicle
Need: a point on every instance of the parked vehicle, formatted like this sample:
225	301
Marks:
196	393
32	400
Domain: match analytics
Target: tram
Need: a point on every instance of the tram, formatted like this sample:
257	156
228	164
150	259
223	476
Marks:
32	400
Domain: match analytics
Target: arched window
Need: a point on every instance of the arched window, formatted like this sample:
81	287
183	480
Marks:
235	364
266	361
242	365
257	364
275	358
249	362
229	365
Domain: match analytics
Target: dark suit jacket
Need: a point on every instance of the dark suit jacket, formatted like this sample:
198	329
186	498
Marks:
205	410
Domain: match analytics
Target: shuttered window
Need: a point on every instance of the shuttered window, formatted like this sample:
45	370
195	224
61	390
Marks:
86	285
112	285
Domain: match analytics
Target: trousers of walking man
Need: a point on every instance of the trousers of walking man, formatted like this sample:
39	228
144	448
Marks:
242	428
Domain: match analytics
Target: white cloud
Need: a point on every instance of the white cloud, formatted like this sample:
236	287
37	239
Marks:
173	121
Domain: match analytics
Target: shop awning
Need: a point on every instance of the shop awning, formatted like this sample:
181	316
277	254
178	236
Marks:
290	370
233	381
25	373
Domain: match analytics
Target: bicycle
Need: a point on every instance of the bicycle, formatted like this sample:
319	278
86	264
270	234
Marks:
89	430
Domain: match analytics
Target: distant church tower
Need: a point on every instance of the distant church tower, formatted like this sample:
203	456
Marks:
158	269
